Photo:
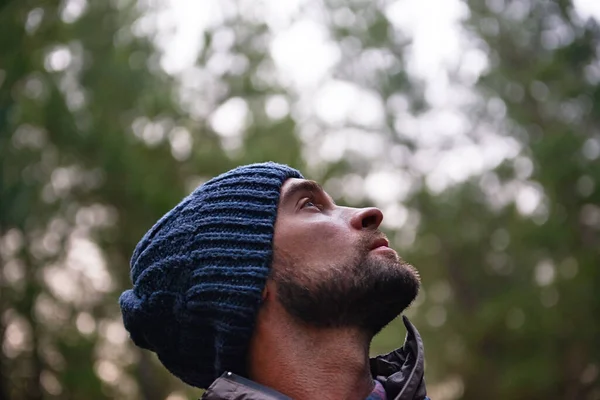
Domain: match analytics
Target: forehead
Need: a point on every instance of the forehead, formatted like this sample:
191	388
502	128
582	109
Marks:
289	183
294	186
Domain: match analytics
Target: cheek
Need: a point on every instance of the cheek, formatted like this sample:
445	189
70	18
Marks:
314	241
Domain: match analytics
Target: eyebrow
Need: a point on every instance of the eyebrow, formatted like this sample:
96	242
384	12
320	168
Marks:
304	186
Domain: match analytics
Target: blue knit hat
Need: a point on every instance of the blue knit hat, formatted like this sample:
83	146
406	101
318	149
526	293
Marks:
199	272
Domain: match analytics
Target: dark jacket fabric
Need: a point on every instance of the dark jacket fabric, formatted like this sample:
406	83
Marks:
401	372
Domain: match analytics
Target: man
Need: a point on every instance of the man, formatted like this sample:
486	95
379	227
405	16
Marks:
258	286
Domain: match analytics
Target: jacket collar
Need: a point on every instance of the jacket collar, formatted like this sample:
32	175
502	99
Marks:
401	372
234	387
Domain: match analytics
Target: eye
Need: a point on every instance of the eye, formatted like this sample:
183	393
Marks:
310	203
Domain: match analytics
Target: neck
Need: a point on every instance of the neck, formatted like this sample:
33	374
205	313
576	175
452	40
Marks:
309	363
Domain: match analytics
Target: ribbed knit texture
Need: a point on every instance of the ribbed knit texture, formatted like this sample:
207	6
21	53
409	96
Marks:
199	272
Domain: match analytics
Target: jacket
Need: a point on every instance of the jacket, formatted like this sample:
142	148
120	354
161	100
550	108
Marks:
401	372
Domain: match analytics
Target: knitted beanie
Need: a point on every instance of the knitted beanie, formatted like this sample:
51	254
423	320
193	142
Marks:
199	272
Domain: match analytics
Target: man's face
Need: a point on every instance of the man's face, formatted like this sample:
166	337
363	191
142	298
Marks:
332	266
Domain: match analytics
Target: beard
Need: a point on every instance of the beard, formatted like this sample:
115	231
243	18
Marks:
366	293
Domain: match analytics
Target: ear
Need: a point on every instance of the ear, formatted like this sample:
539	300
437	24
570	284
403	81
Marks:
267	291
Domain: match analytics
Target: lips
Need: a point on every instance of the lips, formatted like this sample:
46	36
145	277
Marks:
381	242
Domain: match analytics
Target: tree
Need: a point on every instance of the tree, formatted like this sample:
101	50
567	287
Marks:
519	244
97	142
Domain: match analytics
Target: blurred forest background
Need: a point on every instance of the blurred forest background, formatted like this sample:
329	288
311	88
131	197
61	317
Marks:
489	176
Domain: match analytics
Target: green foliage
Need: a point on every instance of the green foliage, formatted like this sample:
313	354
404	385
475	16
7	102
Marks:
97	142
522	285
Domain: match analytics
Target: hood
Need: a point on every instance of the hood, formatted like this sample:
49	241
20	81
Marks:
402	371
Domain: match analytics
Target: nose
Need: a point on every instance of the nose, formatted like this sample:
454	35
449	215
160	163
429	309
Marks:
367	218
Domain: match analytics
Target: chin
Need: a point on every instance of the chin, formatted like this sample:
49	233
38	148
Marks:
396	262
367	293
409	268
